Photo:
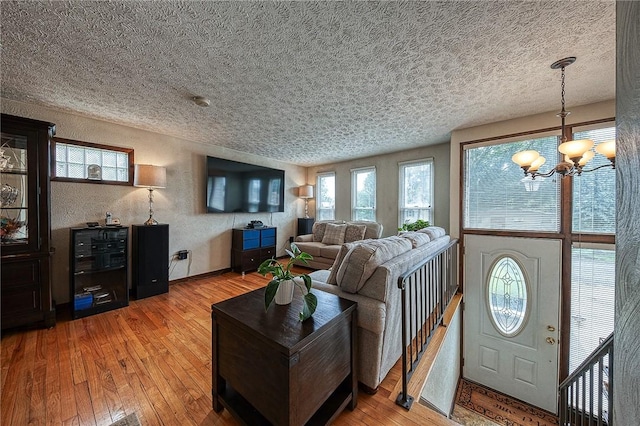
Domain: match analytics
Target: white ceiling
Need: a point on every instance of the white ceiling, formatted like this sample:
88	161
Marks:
307	82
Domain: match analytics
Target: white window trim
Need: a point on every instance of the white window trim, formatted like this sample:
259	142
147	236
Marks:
354	191
401	166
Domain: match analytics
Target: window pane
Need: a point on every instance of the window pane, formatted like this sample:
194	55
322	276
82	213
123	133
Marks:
326	196
364	194
495	196
592	301
93	156
75	155
594	194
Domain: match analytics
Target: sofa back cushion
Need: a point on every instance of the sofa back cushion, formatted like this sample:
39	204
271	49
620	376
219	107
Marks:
417	238
361	261
434	232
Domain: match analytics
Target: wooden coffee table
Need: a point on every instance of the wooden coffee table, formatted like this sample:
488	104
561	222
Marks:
270	368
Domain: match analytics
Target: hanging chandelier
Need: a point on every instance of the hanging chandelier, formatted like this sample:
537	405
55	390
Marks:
576	153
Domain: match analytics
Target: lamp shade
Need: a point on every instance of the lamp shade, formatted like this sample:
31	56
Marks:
525	158
575	148
149	176
607	148
305	191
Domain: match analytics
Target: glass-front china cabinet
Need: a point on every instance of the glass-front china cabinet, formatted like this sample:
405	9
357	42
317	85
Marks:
25	222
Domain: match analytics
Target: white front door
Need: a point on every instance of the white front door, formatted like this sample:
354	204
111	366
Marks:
511	316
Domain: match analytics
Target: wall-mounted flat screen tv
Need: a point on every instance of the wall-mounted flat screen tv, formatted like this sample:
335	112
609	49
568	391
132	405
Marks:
235	187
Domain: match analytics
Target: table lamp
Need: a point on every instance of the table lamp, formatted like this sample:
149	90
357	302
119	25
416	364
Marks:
150	177
305	192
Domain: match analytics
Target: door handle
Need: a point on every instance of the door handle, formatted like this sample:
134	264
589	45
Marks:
551	340
551	328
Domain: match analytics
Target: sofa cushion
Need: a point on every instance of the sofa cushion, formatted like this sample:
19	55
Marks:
318	231
354	233
362	260
434	232
334	234
417	238
313	248
330	252
342	252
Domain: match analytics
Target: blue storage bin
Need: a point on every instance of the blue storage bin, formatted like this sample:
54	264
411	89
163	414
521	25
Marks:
82	301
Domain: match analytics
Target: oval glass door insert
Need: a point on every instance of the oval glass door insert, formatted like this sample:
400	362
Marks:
507	291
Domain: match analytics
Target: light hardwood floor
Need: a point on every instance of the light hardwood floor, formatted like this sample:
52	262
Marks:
153	358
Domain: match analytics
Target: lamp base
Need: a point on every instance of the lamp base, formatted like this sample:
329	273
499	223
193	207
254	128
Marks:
151	221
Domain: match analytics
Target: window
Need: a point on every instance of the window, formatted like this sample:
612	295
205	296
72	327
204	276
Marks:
593	271
495	196
594	194
416	191
363	193
77	161
326	196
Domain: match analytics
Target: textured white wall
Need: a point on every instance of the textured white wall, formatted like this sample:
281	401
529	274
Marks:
181	204
579	114
387	181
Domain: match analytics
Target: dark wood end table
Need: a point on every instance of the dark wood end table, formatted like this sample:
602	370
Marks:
270	368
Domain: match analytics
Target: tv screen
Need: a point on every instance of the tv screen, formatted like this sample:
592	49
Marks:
234	187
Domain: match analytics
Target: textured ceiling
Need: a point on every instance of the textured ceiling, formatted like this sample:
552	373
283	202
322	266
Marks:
307	82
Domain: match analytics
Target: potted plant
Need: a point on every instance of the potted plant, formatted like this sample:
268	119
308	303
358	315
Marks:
283	281
415	226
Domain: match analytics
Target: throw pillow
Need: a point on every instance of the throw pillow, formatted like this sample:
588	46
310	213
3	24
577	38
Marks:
334	234
318	231
354	233
344	249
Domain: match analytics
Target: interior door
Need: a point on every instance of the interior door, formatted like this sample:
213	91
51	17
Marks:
511	316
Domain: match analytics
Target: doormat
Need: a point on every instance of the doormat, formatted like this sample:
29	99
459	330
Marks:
501	408
130	420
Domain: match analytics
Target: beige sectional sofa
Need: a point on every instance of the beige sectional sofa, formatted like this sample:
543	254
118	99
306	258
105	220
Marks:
367	272
327	236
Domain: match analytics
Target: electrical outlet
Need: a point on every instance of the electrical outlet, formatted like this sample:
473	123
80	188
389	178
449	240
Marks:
182	254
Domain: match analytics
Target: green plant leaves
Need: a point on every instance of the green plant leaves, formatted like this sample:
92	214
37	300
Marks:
415	226
309	307
281	272
270	292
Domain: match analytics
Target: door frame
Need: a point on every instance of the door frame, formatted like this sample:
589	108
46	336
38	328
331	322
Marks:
565	233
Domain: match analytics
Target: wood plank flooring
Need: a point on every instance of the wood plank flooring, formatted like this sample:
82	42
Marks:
152	358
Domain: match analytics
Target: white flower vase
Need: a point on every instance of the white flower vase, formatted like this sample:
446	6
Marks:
284	294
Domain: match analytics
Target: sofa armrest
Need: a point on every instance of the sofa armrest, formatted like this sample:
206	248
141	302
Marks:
307	238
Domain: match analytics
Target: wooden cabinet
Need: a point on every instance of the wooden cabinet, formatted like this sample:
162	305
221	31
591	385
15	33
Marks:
25	222
251	247
98	270
305	225
150	260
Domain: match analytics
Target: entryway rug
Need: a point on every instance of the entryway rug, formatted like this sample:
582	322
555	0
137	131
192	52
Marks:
130	420
501	408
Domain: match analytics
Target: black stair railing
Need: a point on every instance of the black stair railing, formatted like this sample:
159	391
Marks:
586	396
426	292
